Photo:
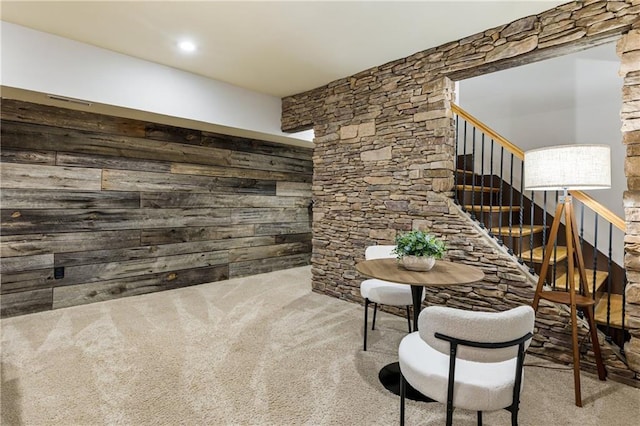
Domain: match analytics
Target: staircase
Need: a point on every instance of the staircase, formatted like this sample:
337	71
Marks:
489	187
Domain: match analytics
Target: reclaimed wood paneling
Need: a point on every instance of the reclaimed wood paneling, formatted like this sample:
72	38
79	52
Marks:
36	176
99	291
217	140
282	228
185	199
252	267
125	207
151	251
26	302
195	233
70	119
125	180
52	199
268	162
25	263
32	244
162	132
265	252
114	270
28	136
28	157
105	162
218	171
293	238
27	280
258	215
41	221
293	189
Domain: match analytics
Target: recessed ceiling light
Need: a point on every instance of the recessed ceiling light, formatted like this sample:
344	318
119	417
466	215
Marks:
187	46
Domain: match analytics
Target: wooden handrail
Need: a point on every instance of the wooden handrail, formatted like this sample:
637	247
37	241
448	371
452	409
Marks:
607	214
488	131
585	199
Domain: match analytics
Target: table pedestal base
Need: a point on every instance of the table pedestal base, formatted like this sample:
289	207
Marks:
390	378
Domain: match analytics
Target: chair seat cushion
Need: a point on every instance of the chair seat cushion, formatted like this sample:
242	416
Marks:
387	293
478	387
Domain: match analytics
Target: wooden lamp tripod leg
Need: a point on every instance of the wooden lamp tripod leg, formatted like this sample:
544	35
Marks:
568	213
547	254
588	310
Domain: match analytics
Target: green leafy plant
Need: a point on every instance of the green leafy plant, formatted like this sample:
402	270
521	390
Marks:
419	243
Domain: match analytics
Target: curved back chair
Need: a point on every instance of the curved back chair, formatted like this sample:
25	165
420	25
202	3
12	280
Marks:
467	359
383	292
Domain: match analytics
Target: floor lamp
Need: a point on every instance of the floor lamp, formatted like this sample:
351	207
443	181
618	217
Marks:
563	168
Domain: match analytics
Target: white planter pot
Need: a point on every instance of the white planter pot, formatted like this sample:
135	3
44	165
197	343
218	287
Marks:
418	263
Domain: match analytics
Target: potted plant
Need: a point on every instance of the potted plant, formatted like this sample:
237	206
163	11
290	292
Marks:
418	250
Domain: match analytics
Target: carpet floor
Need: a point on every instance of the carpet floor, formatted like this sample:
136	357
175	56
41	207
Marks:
260	350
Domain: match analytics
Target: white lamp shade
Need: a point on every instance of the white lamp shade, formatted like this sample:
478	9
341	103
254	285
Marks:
567	167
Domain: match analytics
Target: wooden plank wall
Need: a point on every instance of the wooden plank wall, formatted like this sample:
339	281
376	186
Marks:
129	207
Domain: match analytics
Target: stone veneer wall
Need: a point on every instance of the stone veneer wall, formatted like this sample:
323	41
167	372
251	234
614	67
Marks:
384	162
629	51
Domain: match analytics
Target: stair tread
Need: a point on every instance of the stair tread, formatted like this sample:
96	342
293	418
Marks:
601	278
468	172
615	316
561	254
477	188
492	209
515	231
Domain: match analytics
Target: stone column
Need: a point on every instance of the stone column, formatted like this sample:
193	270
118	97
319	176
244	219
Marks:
628	49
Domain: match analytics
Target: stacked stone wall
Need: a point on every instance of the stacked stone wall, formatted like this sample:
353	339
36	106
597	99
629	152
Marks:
629	51
384	163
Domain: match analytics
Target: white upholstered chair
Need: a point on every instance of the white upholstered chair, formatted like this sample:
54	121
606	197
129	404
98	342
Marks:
467	359
383	292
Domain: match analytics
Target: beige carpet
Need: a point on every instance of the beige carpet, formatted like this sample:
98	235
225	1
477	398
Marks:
261	350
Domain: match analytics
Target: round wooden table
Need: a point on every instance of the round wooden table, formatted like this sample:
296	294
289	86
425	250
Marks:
443	274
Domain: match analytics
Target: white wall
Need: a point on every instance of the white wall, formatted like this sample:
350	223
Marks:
41	62
598	92
516	101
573	99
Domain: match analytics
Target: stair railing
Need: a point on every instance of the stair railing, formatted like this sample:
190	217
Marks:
489	186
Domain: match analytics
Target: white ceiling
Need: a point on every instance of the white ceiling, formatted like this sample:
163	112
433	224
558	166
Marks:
274	47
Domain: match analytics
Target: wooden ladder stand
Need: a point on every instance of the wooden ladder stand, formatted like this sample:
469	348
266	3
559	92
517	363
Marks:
570	298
